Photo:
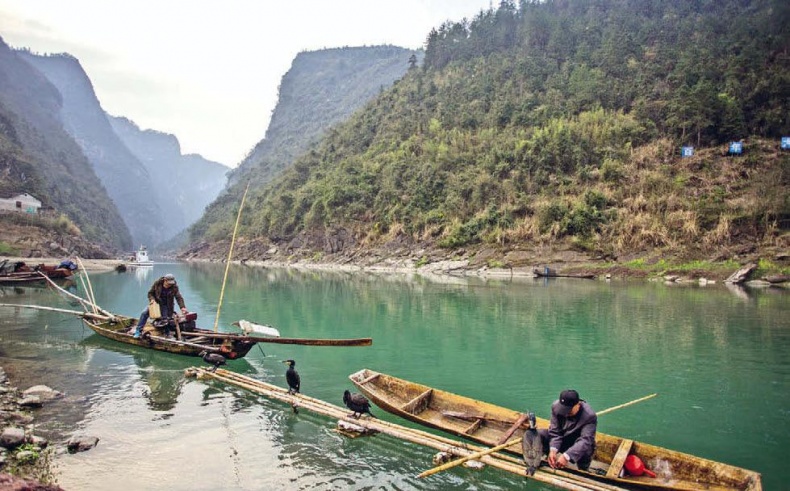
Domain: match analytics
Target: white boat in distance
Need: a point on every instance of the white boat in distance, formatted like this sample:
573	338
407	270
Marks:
140	258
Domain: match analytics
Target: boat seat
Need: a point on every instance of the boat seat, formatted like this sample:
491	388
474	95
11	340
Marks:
619	458
473	427
419	403
370	379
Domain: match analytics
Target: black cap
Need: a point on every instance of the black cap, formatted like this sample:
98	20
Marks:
568	399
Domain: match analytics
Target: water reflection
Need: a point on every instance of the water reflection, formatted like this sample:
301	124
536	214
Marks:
162	374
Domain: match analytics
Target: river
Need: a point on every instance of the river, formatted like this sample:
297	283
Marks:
717	357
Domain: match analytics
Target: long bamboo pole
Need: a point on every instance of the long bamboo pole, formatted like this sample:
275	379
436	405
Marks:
91	296
83	301
516	441
55	309
568	481
230	254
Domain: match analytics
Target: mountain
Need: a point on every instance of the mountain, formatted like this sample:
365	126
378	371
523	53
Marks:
123	175
320	89
183	184
39	157
556	125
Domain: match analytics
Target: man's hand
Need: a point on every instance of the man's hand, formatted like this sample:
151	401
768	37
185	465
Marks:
183	310
552	458
561	461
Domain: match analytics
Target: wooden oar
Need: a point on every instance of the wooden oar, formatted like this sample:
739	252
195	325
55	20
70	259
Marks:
516	441
299	341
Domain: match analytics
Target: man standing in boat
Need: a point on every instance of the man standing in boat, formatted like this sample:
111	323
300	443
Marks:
164	292
571	434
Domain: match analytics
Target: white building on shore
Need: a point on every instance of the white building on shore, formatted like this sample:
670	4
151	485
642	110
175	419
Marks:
23	203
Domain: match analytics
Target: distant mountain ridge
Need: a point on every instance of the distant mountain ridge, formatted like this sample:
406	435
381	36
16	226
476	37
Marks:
184	184
124	176
38	156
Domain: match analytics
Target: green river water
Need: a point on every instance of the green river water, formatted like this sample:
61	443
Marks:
717	357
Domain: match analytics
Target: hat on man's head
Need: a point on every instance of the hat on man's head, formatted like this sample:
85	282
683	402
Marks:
169	277
568	399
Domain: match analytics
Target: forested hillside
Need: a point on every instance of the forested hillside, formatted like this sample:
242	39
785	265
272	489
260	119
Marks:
560	123
39	157
321	88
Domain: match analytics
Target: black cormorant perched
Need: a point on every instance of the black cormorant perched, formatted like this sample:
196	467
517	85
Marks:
213	359
532	446
292	377
357	403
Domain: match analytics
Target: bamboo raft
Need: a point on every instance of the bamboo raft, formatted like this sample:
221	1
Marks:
558	478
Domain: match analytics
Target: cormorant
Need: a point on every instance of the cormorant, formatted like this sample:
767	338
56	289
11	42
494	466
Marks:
292	377
215	359
357	403
532	446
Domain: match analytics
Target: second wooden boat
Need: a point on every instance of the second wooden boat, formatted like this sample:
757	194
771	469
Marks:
487	424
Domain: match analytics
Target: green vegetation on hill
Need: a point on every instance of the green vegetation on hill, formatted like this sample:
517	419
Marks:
560	121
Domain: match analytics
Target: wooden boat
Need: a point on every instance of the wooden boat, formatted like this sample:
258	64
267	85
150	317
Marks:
195	341
547	272
487	423
21	279
19	272
120	328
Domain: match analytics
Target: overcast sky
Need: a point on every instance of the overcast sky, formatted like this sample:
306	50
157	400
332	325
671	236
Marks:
207	71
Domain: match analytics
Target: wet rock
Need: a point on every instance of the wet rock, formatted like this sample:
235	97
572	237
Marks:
12	437
31	401
13	483
38	441
42	392
81	443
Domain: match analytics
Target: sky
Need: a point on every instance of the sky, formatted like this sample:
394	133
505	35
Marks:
208	71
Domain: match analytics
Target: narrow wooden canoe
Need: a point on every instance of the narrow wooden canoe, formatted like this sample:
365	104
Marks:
487	423
118	330
193	342
552	273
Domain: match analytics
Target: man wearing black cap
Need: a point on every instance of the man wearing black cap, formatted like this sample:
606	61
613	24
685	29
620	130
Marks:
571	434
164	291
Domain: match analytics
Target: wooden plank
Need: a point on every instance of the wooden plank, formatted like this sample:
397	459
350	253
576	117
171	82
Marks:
473	427
619	458
370	379
412	405
506	436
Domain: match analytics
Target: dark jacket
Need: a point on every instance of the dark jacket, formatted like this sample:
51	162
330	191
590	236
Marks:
164	296
575	435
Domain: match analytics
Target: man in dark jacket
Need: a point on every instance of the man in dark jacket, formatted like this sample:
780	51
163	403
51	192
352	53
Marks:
571	434
165	292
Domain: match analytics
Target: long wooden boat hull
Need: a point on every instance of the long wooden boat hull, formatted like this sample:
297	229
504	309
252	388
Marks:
487	423
21	279
118	330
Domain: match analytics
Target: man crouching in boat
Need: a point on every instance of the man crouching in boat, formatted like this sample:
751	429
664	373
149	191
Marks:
163	292
571	434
